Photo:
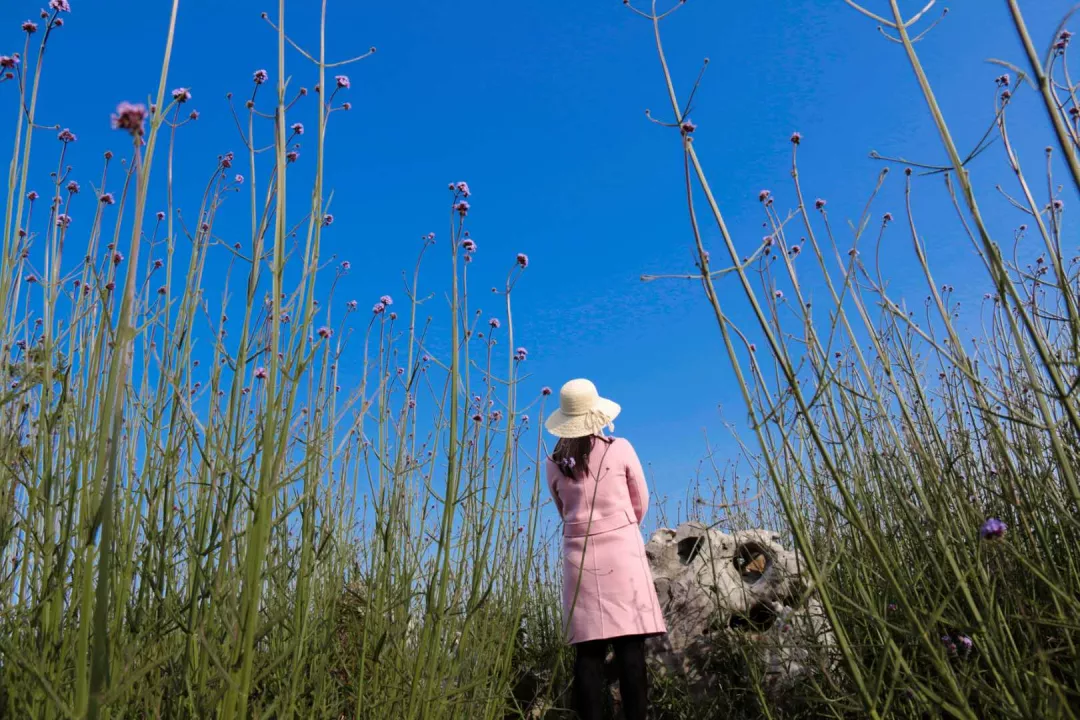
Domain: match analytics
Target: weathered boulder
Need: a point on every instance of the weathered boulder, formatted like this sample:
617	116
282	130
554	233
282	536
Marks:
744	590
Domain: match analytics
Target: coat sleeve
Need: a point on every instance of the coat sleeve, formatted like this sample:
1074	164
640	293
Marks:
635	481
552	480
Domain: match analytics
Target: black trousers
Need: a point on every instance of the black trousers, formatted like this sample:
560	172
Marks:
590	683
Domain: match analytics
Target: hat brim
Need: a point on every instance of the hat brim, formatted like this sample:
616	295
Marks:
574	426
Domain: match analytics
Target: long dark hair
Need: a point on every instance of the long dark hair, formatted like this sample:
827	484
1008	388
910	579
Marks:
571	455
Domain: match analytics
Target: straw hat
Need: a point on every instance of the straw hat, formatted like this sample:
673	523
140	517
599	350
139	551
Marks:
582	412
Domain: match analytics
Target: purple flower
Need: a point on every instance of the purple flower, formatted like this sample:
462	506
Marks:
346	266
386	300
1058	204
891	607
260	373
298	128
325	332
194	115
117	258
73	187
993	529
468	245
65	136
110	286
462	208
328	219
778	293
478	418
521	354
29	27
425	358
378	308
59	5
463	188
796	138
887	217
795	250
342	81
687	126
753	347
950	646
494	323
160	290
496	416
63	220
764	195
545	391
400	371
226	160
346	106
260	77
31	278
292	156
1002	80
107	199
239	179
158	264
160	216
523	260
181	95
32	196
965	643
819	204
130	117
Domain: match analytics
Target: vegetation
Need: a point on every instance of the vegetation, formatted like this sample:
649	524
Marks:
200	517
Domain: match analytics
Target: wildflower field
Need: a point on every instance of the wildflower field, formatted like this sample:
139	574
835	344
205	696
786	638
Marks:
259	497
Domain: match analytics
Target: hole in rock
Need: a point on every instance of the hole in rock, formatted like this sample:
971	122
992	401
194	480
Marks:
759	619
689	548
751	560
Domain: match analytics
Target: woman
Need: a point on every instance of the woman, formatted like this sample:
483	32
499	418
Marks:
608	595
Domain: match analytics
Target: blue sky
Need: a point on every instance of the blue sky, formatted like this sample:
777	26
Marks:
540	107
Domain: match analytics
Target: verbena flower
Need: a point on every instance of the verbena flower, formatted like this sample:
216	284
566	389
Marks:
521	354
292	156
462	208
158	264
160	216
378	308
260	77
32	196
463	188
796	138
468	245
342	81
887	217
545	391
31	278
328	219
107	199
523	260
386	300
298	128
764	195
130	117
779	293
687	126
325	332
73	187
117	258
993	529
59	5
494	323
29	27
181	95
65	135
260	373
819	204
63	220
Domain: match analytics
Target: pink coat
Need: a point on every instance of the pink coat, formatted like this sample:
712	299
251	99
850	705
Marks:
607	585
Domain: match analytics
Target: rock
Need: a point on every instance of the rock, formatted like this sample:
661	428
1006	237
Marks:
720	592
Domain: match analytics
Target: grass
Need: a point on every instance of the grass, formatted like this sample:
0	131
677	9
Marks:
200	517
